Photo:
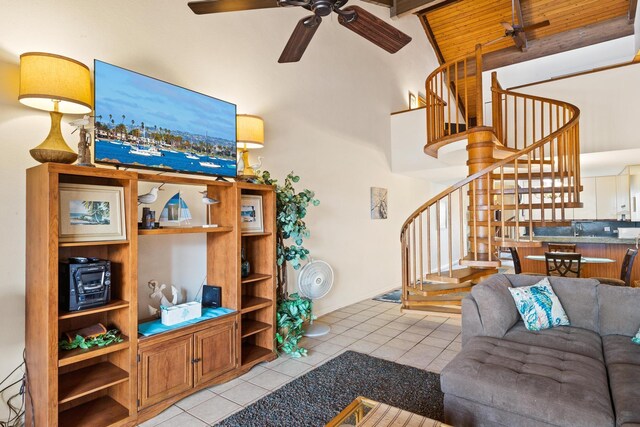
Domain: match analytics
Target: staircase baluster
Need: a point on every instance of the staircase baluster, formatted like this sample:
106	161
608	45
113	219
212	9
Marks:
461	210
466	98
531	197
413	257
475	224
542	212
489	216
438	238
517	200
421	255
428	210
502	212
450	235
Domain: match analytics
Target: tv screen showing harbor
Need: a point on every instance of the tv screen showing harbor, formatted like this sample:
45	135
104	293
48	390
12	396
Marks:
143	122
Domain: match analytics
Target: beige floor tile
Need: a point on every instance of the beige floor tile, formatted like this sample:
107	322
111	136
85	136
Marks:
377	322
347	323
366	327
387	316
444	335
388	352
399	343
341	314
427	350
246	393
315	358
328	348
214	409
343	340
358	318
217	389
326	337
352	309
377	338
389	331
337	329
408	336
416	360
183	420
437	319
270	379
355	333
293	368
195	399
168	413
363	346
436	342
455	346
398	326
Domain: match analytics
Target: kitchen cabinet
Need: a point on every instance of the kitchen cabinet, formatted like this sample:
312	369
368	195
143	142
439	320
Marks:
588	199
606	192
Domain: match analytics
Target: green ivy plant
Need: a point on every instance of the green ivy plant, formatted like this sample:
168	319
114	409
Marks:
110	337
290	316
291	209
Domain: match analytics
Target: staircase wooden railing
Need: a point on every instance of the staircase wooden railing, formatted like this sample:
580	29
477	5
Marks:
535	181
452	105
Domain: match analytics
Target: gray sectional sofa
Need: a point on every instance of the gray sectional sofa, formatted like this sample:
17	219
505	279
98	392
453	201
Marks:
586	374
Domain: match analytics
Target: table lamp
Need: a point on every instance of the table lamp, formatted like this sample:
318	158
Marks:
250	135
59	85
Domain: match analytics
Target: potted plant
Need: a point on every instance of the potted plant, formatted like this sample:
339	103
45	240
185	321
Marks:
291	209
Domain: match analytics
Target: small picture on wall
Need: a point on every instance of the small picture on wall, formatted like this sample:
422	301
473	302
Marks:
378	203
251	214
413	100
91	213
422	100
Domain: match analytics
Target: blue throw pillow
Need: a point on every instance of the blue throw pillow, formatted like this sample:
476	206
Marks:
539	307
636	339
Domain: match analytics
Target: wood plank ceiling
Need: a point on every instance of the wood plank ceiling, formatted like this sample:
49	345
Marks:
454	27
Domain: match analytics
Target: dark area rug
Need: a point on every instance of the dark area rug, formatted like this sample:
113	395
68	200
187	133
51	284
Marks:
319	395
393	296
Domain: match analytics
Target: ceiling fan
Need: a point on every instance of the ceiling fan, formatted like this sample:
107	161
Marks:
517	31
354	18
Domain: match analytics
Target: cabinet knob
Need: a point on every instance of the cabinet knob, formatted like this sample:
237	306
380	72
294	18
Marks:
196	360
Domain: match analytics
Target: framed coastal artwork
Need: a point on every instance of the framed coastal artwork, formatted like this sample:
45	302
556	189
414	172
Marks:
413	100
91	213
378	203
251	214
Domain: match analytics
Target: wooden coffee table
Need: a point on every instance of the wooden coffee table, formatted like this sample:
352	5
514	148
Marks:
363	412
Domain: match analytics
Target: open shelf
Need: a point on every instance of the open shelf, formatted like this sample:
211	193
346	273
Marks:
250	327
252	303
184	230
75	384
69	357
97	243
255	277
114	304
265	233
102	411
252	353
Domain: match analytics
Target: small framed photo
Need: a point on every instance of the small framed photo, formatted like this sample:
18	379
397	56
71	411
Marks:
91	213
413	100
251	214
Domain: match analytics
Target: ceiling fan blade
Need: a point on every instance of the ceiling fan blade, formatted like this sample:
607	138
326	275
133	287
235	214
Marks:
299	40
216	6
537	25
507	26
374	29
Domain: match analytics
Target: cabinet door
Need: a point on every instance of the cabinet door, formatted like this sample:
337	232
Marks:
588	199
606	197
215	351
165	370
622	196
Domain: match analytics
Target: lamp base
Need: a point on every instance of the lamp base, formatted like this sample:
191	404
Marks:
54	148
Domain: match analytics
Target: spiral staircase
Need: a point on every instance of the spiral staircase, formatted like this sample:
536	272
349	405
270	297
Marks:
523	171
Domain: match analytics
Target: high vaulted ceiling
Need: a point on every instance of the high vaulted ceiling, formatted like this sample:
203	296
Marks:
454	27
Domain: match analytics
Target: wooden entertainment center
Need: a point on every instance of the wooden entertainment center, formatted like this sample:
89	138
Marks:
126	383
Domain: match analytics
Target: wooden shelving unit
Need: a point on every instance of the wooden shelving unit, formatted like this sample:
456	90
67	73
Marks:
105	386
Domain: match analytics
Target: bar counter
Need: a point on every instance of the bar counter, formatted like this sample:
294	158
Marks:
598	247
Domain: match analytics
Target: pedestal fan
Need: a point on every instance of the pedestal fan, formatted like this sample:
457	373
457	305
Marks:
314	282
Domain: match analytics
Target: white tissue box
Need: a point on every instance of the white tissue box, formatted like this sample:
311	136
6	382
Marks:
180	313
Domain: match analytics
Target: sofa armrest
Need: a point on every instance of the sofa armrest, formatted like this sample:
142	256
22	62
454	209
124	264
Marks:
471	323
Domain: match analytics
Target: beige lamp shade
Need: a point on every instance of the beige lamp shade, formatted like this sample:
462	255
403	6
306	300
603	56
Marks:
250	131
46	78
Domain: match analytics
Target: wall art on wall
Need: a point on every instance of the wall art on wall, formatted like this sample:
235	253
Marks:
91	213
413	101
251	214
378	203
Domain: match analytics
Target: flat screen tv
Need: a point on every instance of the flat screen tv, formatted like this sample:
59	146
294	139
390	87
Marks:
142	122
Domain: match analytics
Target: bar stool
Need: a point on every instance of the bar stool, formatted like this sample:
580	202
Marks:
625	271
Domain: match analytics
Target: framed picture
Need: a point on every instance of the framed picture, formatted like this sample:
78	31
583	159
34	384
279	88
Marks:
251	214
378	203
91	213
413	101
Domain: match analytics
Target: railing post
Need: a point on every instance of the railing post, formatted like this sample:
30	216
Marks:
479	102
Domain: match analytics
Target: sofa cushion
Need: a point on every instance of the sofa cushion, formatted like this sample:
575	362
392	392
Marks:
623	364
552	386
498	312
619	314
578	297
563	338
539	306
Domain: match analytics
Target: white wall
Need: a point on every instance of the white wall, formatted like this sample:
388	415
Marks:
326	117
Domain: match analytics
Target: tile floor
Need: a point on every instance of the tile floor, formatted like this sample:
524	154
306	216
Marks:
372	327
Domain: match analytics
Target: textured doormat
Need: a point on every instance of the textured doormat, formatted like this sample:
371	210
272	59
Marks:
393	296
316	397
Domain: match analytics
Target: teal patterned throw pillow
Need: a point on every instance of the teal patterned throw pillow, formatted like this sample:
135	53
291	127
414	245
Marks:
539	306
636	339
